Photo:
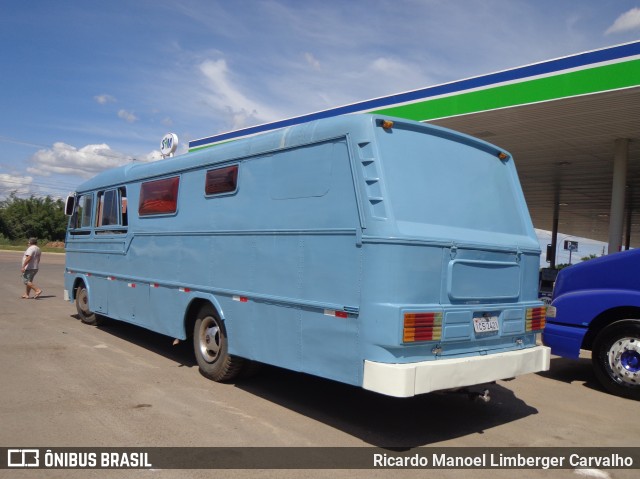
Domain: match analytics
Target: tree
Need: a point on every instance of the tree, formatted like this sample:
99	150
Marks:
43	218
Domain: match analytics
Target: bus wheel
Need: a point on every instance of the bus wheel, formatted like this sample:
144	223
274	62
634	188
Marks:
616	358
82	306
210	345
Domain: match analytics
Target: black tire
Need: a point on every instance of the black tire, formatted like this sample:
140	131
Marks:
616	358
82	306
211	347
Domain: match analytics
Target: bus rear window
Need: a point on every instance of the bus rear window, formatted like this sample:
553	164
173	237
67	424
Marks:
221	180
449	184
159	197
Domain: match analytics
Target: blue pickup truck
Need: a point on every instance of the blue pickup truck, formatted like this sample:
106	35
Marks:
596	307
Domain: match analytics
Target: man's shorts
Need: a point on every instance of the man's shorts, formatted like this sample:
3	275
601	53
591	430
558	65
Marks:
28	275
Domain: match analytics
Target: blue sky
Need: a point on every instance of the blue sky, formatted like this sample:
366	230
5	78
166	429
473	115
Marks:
88	85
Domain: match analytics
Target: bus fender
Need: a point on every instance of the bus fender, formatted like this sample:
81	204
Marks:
80	278
196	301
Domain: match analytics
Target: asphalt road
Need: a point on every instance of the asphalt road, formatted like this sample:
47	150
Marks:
66	384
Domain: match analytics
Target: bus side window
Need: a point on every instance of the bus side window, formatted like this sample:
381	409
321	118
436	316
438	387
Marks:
159	197
81	219
107	208
110	211
221	180
123	203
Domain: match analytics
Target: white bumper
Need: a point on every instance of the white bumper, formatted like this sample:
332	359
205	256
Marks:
405	380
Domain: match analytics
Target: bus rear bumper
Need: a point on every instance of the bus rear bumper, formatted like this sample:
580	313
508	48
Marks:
406	380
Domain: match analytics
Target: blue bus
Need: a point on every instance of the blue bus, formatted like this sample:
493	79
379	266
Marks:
379	252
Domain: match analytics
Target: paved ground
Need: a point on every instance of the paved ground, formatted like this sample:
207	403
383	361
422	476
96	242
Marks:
63	383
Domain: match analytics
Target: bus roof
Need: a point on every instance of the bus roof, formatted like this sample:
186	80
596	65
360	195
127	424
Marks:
357	125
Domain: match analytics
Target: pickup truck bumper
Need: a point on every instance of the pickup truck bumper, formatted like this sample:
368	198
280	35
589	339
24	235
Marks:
563	340
405	380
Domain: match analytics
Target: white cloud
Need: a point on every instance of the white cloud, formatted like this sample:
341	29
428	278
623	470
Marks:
383	65
313	61
69	160
226	96
401	73
127	116
627	21
104	99
152	156
20	184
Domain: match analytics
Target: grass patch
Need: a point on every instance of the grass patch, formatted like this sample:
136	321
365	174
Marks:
21	245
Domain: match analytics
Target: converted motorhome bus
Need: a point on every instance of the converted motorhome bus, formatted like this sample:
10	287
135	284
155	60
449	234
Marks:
383	253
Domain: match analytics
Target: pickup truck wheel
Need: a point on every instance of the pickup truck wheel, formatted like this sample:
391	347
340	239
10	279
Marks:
616	358
211	347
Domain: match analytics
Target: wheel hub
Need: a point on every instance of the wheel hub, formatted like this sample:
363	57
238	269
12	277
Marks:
209	340
630	361
624	359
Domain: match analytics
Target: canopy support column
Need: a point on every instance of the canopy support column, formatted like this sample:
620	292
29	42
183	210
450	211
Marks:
616	217
627	237
554	232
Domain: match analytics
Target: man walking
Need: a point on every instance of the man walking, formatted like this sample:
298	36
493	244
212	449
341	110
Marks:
30	264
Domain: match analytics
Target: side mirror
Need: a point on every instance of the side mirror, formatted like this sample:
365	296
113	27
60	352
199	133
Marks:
70	205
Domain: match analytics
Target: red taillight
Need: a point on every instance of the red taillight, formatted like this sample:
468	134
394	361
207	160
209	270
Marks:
535	319
336	314
422	327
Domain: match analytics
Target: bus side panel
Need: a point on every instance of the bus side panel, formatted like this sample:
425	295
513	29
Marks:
100	295
305	258
285	240
230	262
276	335
166	311
278	326
153	263
131	302
331	346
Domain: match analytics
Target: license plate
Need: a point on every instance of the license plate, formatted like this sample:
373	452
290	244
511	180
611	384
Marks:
486	324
